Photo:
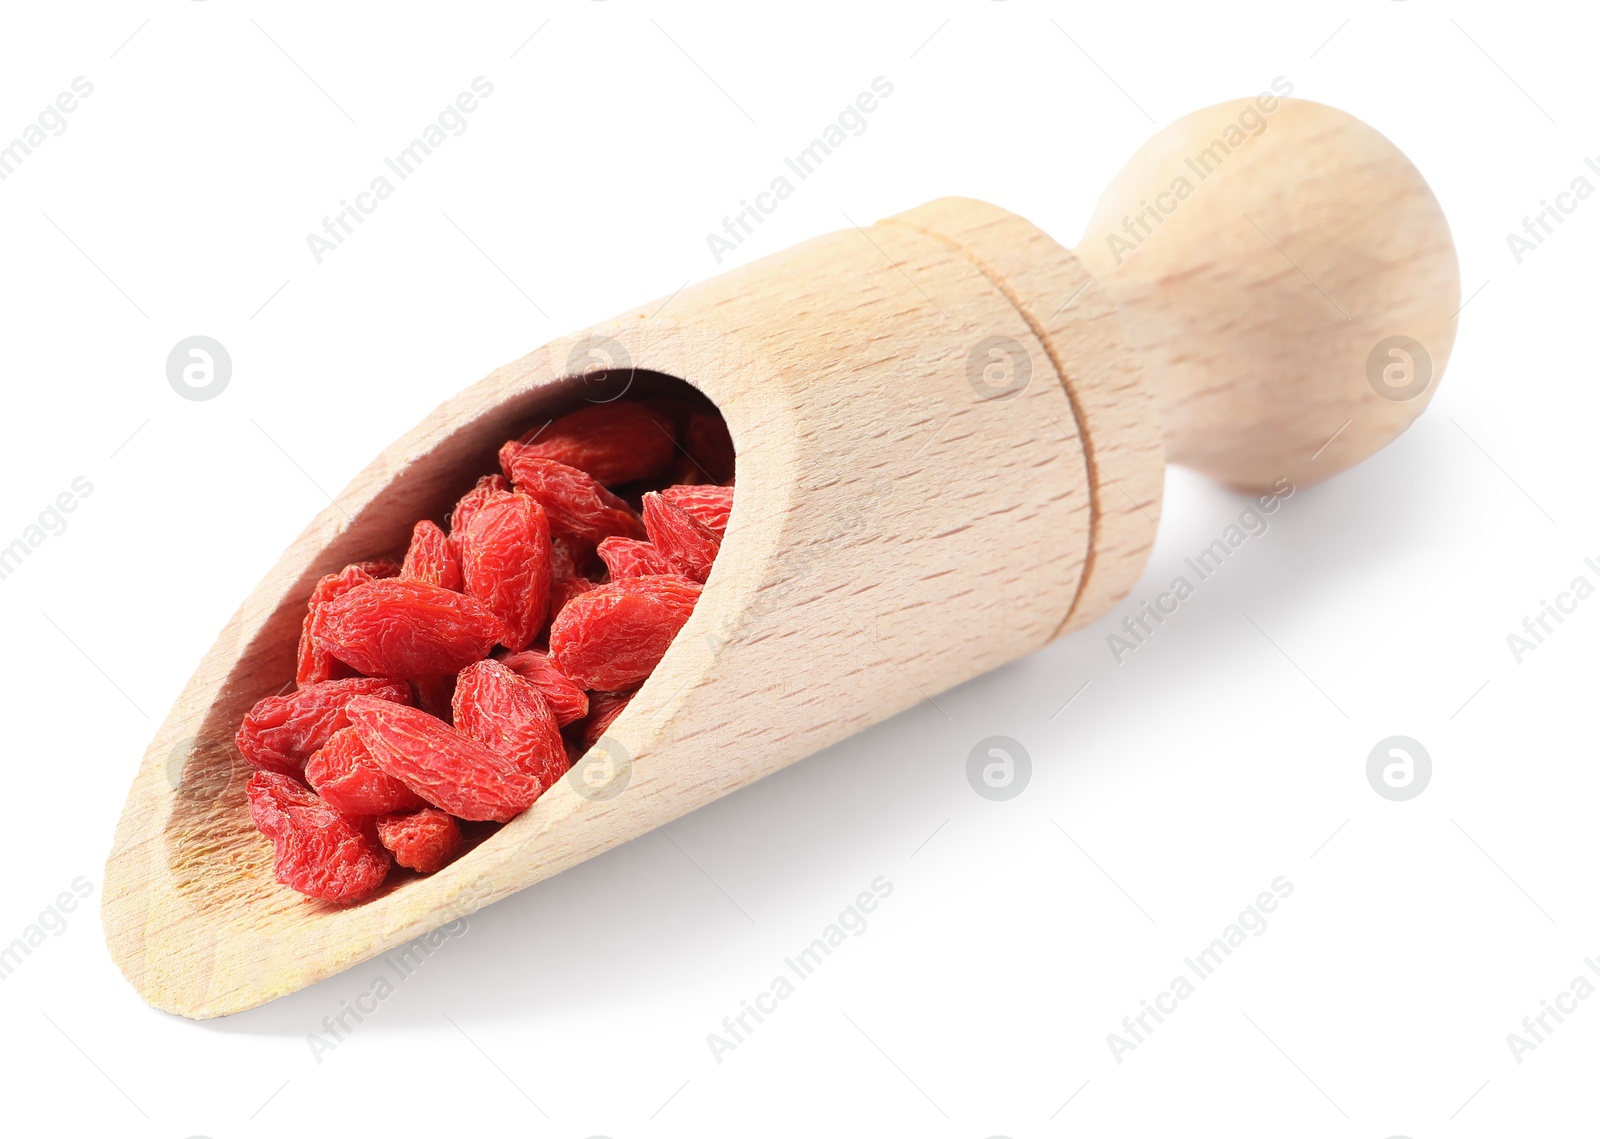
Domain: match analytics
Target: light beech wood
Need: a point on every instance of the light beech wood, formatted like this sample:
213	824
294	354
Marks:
900	526
1257	302
1079	329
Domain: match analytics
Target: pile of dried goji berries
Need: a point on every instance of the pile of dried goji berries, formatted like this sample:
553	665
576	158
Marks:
458	685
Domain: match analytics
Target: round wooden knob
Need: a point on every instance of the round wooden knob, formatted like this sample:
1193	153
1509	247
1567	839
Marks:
1289	281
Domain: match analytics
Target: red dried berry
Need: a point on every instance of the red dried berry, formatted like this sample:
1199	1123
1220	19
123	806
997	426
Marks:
673	409
707	505
604	708
317	850
497	707
565	589
380	568
686	472
629	557
612	443
566	699
473	500
405	628
431	558
344	775
708	443
281	732
613	636
573	568
505	563
314	665
433	694
688	547
578	506
338	584
423	840
447	768
572	557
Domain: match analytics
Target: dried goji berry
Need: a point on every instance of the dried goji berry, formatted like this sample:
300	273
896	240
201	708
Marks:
422	840
314	665
431	558
572	557
341	583
281	732
629	557
688	547
317	850
707	505
613	636
613	443
672	409
565	589
497	707
473	500
708	443
405	628
564	555
344	775
505	563
577	505
566	699
484	738
433	694
380	568
604	707
448	768
336	584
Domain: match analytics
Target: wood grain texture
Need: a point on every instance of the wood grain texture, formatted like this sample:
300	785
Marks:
1081	332
862	573
901	525
1257	300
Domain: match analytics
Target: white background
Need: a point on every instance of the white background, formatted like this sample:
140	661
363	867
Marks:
979	999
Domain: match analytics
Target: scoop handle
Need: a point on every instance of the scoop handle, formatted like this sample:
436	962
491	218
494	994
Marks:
1289	282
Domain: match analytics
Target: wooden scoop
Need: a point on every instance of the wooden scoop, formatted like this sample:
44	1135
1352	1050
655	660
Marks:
950	434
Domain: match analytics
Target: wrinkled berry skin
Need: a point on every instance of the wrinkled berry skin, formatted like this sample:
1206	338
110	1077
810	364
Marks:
612	443
688	547
497	707
707	505
506	564
568	701
613	636
405	629
473	500
313	664
629	557
344	775
317	850
577	505
447	768
431	557
423	840
566	589
281	732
